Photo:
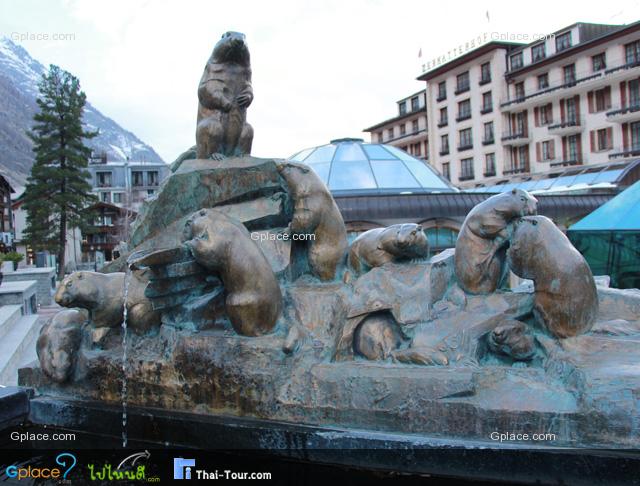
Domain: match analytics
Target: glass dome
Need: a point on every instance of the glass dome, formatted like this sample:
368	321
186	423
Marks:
350	165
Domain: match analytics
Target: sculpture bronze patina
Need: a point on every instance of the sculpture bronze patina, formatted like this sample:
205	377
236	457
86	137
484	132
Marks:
233	316
224	94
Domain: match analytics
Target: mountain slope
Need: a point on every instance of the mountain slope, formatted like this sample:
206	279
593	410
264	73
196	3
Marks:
19	77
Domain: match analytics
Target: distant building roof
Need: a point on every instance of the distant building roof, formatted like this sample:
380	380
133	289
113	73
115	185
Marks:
350	166
622	213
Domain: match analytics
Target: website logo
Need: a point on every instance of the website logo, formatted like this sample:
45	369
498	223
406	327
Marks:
182	468
66	459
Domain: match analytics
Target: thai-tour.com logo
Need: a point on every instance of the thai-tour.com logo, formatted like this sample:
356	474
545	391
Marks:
65	460
182	468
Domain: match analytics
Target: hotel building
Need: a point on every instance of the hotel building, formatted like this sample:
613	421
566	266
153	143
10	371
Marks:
509	112
408	129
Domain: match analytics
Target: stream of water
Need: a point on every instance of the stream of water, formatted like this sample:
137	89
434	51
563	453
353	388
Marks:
127	279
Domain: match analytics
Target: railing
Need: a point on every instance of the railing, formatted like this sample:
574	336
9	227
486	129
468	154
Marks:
463	116
513	135
441	98
623	110
466	177
488	141
444	151
484	81
578	80
633	151
489	172
572	122
565	163
462	89
515	170
466	146
486	109
443	123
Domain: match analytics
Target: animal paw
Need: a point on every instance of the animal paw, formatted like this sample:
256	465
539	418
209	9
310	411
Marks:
423	355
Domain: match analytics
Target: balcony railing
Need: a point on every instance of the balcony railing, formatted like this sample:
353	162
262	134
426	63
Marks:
444	151
466	146
573	122
441	98
515	170
489	172
565	163
486	109
632	151
463	116
625	112
514	135
488	141
466	177
443	123
484	81
579	79
462	89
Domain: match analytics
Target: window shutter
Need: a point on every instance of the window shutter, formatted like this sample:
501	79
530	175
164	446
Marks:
538	152
610	138
625	136
592	137
607	97
536	116
552	149
590	101
623	94
577	102
561	111
550	113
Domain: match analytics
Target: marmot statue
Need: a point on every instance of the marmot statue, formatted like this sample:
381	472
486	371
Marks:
378	246
102	294
511	338
224	94
566	300
58	343
482	241
224	246
315	211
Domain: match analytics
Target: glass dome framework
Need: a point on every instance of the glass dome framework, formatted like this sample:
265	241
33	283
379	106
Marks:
348	165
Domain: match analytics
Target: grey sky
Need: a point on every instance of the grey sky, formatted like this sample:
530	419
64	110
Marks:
322	69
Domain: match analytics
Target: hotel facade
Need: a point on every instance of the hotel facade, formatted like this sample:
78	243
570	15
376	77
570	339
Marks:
511	112
407	130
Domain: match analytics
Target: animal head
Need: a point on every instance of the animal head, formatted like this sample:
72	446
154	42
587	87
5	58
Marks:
407	240
527	243
76	289
231	48
514	203
512	338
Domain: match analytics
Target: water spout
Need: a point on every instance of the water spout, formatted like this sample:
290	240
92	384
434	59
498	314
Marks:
127	280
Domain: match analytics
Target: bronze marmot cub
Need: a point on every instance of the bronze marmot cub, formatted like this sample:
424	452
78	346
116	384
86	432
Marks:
315	211
511	338
566	300
224	94
378	246
223	245
482	241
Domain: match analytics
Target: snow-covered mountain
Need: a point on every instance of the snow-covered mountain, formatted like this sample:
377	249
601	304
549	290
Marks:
19	77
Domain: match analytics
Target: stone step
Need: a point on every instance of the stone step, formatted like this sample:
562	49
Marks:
9	314
18	347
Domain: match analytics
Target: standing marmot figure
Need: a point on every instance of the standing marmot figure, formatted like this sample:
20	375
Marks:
224	94
566	300
482	241
58	343
378	246
223	245
315	211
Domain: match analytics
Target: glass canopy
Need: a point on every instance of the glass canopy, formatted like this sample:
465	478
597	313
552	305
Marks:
350	165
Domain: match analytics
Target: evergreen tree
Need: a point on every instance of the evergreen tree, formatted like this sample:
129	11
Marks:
58	191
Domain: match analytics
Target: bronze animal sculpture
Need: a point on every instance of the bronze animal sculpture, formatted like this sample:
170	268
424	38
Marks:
482	241
510	338
224	94
378	246
376	337
58	343
566	300
315	211
102	294
223	246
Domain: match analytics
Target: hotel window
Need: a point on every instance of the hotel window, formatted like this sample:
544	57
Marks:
537	52
572	148
519	90
571	111
380	137
487	102
601	139
634	92
390	133
444	118
117	197
414	126
464	110
462	82
516	61
104	179
543	81
402	107
152	178
466	139
599	62
416	149
569	74
488	133
446	170
632	52
442	91
547	150
485	73
466	169
600	100
490	164
403	129
444	144
415	104
546	114
523	156
136	177
634	128
563	41
106	197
